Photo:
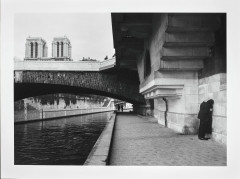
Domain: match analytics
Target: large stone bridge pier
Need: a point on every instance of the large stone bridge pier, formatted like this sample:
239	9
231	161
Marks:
180	59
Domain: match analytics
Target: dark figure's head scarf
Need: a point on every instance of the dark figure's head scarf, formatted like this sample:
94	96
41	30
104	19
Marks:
210	103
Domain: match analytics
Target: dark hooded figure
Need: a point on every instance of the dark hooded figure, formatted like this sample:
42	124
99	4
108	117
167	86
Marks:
205	116
209	118
202	116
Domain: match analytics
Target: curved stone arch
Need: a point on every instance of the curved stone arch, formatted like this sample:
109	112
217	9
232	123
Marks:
34	83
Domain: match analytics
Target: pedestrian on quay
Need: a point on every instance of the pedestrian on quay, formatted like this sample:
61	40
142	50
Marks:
209	119
205	116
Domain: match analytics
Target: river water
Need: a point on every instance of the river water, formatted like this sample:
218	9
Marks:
66	141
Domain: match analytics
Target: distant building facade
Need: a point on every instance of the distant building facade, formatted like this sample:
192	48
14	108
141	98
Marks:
36	49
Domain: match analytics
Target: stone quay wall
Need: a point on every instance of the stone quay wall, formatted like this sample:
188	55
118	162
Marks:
37	115
215	87
99	154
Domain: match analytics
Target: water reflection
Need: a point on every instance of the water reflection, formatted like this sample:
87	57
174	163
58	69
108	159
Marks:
66	141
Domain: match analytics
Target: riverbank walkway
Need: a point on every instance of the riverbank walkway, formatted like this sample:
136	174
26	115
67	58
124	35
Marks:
142	141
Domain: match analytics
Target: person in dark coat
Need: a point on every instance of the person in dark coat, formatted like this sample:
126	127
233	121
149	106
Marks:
202	116
209	119
205	116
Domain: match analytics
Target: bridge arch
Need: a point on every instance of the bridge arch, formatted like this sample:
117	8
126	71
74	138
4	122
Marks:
35	83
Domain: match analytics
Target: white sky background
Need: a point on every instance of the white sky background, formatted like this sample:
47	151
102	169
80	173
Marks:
89	33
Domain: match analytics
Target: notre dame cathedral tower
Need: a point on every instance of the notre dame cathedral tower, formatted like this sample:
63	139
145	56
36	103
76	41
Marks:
36	49
61	49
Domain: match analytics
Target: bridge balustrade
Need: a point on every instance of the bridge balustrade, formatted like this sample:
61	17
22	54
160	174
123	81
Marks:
38	65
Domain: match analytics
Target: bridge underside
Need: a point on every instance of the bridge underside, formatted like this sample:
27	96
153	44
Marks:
122	86
25	90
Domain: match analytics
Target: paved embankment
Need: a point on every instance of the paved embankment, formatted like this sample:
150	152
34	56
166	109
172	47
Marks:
142	141
100	152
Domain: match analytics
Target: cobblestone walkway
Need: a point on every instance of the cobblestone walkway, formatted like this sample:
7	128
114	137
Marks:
141	141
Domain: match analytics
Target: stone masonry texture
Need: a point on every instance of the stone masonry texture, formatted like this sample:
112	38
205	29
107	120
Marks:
141	141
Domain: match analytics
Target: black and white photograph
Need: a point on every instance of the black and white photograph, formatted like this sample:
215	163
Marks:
101	90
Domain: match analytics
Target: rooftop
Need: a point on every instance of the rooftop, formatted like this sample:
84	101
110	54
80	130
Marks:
61	38
36	38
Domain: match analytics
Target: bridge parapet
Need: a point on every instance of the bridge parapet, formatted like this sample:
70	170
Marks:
64	65
106	64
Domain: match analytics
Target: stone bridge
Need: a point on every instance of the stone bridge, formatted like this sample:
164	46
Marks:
116	84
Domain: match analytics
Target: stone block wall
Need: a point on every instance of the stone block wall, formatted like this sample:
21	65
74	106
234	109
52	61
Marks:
183	123
214	87
177	119
159	109
182	110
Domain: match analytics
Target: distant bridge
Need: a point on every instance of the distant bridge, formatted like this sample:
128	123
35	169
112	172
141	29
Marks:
33	78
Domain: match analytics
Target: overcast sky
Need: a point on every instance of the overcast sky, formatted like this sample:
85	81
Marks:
90	33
